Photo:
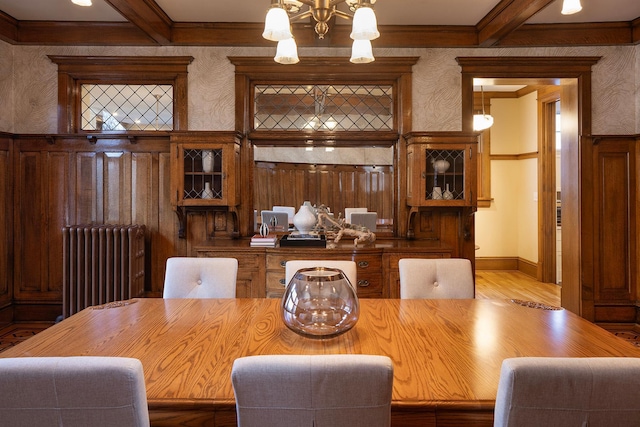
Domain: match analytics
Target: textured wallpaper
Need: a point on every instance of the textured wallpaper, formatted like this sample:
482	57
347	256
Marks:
29	79
6	87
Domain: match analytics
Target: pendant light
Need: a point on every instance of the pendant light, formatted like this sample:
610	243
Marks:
482	121
82	2
570	7
287	52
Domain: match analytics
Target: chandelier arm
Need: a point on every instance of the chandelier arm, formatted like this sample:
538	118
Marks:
301	15
343	15
308	2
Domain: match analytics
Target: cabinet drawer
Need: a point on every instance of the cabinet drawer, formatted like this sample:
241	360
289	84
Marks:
245	261
368	286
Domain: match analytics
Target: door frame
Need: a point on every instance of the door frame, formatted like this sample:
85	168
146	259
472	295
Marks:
573	74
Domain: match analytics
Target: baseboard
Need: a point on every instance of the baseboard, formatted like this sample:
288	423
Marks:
508	263
496	263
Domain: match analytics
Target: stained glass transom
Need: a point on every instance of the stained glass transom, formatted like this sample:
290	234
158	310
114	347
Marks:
126	107
324	107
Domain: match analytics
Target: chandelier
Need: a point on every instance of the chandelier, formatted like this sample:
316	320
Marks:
277	26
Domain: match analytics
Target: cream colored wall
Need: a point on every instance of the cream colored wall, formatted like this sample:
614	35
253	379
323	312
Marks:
509	227
32	83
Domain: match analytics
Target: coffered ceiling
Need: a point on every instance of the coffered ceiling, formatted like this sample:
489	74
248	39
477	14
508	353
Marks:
403	23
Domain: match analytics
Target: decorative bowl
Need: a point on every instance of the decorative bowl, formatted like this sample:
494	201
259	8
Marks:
320	303
440	166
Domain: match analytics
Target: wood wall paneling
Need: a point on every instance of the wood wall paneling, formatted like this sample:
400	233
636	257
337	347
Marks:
64	180
615	220
6	228
336	186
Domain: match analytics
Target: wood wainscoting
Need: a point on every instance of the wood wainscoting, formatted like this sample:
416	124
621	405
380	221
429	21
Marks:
336	186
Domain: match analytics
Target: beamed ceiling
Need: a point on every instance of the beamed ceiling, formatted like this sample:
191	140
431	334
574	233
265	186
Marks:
402	23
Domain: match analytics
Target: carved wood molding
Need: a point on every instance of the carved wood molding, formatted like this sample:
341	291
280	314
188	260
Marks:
75	70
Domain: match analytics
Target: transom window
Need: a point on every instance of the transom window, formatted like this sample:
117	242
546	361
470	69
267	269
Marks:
345	107
125	107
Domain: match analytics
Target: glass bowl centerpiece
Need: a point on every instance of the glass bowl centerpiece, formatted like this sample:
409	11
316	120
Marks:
320	302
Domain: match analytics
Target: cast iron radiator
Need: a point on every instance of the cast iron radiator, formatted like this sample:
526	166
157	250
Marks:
102	263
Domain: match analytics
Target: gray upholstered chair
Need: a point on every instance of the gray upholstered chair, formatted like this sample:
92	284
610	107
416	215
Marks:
290	210
555	392
348	268
72	392
366	219
440	278
349	211
191	277
340	390
277	221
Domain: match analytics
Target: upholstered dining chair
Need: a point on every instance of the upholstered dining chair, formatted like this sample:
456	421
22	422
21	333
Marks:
72	392
439	278
348	268
349	211
366	219
339	390
290	210
191	277
555	392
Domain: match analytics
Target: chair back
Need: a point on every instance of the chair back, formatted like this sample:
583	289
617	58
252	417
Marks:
348	268
349	211
440	278
366	219
73	392
553	391
191	277
339	390
277	221
290	210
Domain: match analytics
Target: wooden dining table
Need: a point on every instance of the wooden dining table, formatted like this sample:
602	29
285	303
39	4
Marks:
446	353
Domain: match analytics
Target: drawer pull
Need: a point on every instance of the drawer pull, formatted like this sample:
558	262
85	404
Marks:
282	282
363	283
363	264
283	264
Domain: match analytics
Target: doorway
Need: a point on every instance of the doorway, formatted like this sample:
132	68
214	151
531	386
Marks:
573	76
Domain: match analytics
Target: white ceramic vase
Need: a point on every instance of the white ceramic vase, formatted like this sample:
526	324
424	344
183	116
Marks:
207	193
304	220
207	161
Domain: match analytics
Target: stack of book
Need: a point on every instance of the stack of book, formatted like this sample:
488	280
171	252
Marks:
269	240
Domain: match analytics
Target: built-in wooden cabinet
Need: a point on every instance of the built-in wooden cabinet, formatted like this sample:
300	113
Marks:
261	271
205	168
441	169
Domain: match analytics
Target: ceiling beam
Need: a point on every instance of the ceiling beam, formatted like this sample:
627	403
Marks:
147	16
8	28
505	18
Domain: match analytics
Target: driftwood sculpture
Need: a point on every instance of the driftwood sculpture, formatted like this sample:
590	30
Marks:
337	228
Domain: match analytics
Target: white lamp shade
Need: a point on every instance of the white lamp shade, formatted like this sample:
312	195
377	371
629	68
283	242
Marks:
482	121
287	52
571	6
82	2
365	24
361	52
276	25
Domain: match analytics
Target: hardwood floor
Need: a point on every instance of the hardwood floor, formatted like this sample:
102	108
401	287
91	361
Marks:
493	284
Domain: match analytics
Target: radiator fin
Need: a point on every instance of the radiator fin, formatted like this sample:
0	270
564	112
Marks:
102	263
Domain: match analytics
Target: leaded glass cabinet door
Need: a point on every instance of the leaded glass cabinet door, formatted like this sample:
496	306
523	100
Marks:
441	171
204	173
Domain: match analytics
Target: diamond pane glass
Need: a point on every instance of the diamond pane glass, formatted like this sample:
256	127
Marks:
203	174
323	107
445	174
125	107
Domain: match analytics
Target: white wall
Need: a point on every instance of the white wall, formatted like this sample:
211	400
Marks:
509	227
